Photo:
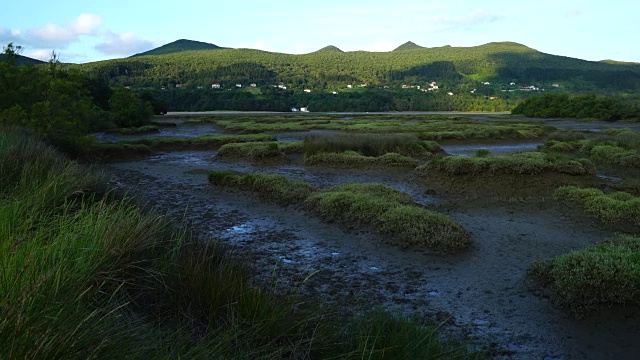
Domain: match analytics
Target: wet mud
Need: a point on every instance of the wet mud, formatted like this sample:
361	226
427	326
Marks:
481	296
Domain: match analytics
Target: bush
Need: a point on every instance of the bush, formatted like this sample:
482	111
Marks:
391	213
615	208
351	159
275	188
372	145
603	274
517	164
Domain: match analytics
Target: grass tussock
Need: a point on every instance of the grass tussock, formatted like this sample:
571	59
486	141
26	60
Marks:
602	274
391	213
88	276
275	188
204	142
529	163
614	208
620	147
426	127
259	151
372	145
354	160
147	129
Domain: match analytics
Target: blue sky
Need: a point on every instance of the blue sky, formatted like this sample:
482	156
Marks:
82	31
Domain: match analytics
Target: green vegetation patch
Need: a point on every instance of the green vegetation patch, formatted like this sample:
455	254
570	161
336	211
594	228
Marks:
275	188
615	208
372	145
259	151
204	142
352	159
391	213
135	130
517	164
602	274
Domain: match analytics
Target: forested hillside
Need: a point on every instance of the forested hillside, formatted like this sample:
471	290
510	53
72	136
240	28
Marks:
494	75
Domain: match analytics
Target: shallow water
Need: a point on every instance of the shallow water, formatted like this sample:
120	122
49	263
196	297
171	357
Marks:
494	148
181	130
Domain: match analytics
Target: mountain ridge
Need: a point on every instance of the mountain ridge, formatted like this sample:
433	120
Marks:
179	46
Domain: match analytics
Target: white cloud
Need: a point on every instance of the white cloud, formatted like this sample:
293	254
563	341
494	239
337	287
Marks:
44	55
258	45
124	44
56	35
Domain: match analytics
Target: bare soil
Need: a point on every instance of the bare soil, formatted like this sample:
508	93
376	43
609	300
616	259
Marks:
481	296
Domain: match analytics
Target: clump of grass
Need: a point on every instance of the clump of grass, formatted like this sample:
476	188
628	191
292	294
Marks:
566	136
352	159
275	188
204	142
614	208
561	146
372	145
389	212
517	164
259	151
620	132
135	130
602	274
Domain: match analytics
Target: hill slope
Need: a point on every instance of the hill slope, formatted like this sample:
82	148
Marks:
24	60
409	45
179	46
330	68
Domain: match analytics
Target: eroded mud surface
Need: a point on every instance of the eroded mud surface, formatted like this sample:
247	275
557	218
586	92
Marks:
481	295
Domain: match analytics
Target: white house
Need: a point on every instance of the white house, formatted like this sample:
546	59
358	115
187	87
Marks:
450	93
294	109
350	86
238	85
304	109
282	86
307	90
335	93
216	86
486	83
253	85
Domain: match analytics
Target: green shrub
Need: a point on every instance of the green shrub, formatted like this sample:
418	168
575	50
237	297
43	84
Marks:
251	151
517	164
615	208
205	142
414	225
603	274
371	145
275	188
391	212
351	159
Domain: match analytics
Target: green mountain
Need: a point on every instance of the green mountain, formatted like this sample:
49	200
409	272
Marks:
409	45
330	48
24	60
179	46
454	68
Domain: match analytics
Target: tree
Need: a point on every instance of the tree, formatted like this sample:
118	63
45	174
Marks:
128	109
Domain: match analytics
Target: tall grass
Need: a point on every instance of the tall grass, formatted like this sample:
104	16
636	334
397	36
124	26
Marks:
354	160
259	151
83	275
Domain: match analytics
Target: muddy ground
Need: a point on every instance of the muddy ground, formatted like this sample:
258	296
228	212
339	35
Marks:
481	295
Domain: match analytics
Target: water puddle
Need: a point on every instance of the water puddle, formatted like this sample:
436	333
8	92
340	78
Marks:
496	149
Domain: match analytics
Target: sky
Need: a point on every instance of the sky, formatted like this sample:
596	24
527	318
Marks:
85	31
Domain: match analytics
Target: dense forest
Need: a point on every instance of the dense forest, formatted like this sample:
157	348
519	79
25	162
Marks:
62	105
589	106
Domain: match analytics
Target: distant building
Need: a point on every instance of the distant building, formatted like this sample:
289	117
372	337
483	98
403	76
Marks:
178	85
216	86
512	83
253	85
307	90
450	93
294	109
555	85
282	86
486	83
304	109
350	86
238	85
335	93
